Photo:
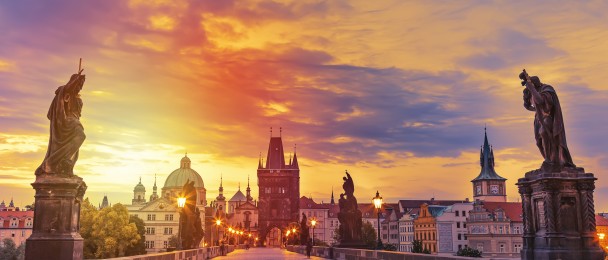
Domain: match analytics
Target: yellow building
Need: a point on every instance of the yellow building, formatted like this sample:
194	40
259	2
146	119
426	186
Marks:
602	231
425	226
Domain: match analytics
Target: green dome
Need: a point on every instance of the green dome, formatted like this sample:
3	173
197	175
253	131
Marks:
139	187
178	178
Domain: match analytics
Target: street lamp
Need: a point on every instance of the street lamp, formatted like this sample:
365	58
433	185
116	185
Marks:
313	222
181	202
218	222
293	240
378	204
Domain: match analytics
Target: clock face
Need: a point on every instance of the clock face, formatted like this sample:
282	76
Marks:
494	189
478	189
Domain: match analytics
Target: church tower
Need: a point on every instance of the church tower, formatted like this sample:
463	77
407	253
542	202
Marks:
488	186
220	199
279	192
154	195
139	194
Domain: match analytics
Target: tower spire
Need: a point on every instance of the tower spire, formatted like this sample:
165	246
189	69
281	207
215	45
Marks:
260	161
332	202
249	198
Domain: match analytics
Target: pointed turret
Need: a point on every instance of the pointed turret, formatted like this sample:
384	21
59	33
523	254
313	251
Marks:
487	162
249	198
104	202
294	164
260	162
11	204
221	197
488	185
154	195
332	202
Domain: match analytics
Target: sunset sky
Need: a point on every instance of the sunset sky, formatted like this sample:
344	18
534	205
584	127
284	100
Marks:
397	92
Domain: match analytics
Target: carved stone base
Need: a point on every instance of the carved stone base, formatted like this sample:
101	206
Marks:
559	215
56	218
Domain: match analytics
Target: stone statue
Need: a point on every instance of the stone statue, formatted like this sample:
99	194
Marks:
304	234
59	191
350	216
67	133
548	123
192	230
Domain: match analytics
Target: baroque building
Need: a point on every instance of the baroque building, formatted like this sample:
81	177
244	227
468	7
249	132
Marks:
279	193
488	185
161	214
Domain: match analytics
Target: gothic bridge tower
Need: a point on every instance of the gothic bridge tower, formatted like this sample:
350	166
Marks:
279	193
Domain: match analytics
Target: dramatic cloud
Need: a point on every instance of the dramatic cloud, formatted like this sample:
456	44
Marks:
397	92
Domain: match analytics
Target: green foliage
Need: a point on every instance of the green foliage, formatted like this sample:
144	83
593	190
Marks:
389	247
319	242
426	251
140	247
173	241
9	250
368	235
417	246
107	232
470	252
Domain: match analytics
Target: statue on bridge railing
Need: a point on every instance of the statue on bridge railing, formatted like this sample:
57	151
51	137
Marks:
350	216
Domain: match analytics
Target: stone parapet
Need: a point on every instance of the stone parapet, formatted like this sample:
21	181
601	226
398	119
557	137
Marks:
364	254
192	254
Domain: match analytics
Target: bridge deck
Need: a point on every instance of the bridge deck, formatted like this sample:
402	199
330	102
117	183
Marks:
264	253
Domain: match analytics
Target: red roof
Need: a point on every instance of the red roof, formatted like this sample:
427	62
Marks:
512	209
7	216
601	221
308	203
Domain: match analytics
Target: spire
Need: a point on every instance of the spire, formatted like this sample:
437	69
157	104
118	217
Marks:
221	197
11	204
332	202
294	163
249	198
486	160
154	187
260	161
276	157
239	185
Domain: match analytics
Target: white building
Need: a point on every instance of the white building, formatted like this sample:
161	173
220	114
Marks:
452	228
406	230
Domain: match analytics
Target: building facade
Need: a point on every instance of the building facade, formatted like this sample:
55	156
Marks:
161	214
425	226
279	193
452	228
496	228
14	224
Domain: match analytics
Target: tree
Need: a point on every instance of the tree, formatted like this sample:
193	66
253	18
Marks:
107	232
417	246
389	247
470	252
140	247
172	241
8	250
368	235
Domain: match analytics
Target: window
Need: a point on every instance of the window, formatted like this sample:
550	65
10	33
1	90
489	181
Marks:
501	248
168	231
464	213
464	225
150	230
22	233
165	244
500	230
151	217
457	213
457	223
517	248
516	230
149	244
459	236
480	247
169	217
459	247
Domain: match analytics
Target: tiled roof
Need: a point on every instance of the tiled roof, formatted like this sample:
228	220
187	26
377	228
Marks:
512	209
600	221
413	204
308	203
7	216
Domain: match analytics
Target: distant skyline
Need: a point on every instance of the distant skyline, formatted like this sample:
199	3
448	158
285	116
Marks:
397	92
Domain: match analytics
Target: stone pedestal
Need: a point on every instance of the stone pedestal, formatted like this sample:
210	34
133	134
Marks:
559	215
56	218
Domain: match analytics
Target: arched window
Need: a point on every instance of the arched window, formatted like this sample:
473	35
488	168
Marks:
138	197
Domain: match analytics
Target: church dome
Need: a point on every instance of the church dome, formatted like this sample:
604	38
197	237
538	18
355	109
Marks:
178	178
139	187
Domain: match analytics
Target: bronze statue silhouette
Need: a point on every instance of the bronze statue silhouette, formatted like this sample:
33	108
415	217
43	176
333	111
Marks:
549	129
66	131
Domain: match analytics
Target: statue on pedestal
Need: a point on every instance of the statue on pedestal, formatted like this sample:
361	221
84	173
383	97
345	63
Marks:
59	191
350	216
557	199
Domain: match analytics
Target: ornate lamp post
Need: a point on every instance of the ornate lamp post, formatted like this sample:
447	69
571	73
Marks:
313	223
218	222
181	202
378	204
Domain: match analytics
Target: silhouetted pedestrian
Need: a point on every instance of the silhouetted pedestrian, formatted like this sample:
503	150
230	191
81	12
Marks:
308	248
